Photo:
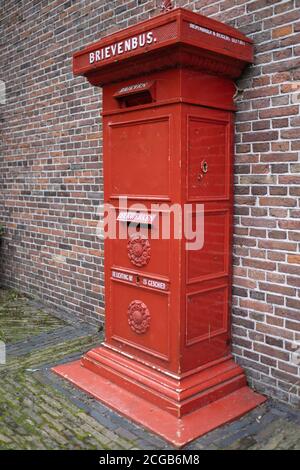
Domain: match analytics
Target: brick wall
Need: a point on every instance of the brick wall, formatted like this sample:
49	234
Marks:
51	169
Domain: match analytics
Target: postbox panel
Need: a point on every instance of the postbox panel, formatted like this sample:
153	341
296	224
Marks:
210	350
142	253
209	156
206	314
137	315
139	157
211	259
206	326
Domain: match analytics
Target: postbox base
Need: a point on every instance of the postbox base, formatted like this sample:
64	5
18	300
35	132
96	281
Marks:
205	400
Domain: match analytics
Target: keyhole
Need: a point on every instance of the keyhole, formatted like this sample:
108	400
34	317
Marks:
204	166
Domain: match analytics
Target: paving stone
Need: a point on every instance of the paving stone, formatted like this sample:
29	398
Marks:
39	410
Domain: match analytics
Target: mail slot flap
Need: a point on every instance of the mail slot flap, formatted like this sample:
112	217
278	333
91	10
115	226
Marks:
136	94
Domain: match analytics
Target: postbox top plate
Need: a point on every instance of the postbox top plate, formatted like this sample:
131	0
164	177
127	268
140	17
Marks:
179	37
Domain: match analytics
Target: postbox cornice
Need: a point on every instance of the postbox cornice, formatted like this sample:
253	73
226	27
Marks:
163	18
156	44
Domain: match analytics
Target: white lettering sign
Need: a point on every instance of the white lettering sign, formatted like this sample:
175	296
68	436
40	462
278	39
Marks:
155	284
136	217
217	34
122	47
122	276
136	86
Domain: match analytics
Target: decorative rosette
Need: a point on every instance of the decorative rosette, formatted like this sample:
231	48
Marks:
138	317
139	250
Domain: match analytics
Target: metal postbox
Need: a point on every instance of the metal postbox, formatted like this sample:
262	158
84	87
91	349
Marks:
168	111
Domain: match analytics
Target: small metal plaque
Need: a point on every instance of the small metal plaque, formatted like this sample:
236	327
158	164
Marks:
135	88
155	283
123	276
136	217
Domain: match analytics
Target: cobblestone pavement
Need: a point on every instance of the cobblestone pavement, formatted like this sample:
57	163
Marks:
38	410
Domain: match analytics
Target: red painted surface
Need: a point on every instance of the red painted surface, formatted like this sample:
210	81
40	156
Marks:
179	431
168	138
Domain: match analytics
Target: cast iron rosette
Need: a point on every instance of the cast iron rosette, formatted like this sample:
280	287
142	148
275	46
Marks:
138	317
139	250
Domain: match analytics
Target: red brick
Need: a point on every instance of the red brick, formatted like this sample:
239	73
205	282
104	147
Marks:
278	289
279	112
260	136
280	123
277	245
282	31
287	313
257	275
287	368
278	213
258	5
284	376
281	77
290	134
277	201
268	361
275	321
262	92
275	299
292	325
260	169
262	147
280	146
273	352
278	191
283	6
258	222
293	281
294	259
293	303
275	256
53	168
254	232
289	224
255	305
294	236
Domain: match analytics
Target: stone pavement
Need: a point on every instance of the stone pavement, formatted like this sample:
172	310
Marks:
38	410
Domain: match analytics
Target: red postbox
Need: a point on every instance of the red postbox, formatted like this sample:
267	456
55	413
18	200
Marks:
168	111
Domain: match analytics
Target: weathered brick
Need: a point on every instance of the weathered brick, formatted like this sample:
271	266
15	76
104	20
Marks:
279	112
275	299
278	289
280	201
292	325
274	331
279	157
282	31
278	191
51	180
255	305
271	352
289	224
275	256
258	264
277	245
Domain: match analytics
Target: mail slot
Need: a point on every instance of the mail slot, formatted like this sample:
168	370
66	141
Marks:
168	123
136	94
